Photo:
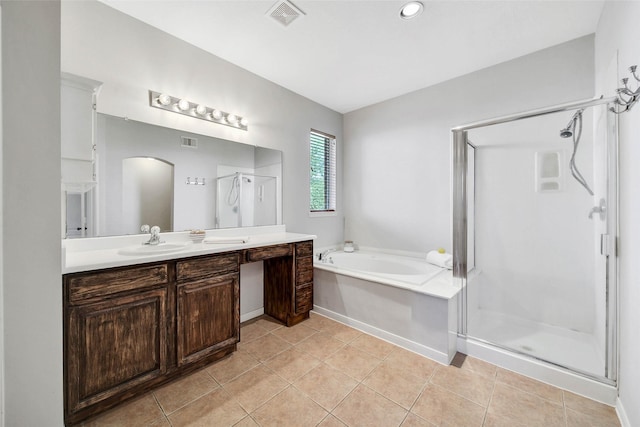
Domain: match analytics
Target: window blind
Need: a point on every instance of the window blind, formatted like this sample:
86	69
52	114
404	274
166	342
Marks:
323	172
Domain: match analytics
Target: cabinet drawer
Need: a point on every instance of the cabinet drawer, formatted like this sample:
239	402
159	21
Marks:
206	266
259	254
85	286
304	270
304	298
304	249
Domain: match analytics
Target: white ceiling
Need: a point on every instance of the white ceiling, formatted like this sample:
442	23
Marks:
350	54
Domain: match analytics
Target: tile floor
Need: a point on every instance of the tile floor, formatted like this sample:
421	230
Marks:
323	373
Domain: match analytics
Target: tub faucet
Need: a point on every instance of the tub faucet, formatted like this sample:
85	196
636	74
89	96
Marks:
154	239
322	256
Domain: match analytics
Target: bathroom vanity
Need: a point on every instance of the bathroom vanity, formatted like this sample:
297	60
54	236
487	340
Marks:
138	323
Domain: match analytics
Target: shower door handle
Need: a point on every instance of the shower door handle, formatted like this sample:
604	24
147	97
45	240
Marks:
606	245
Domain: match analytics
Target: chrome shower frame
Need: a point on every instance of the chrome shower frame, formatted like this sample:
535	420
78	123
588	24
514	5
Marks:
460	145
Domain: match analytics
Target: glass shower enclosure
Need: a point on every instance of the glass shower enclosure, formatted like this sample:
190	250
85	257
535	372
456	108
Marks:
535	226
246	200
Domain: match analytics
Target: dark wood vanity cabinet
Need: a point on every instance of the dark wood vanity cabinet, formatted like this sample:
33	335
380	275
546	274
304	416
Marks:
288	285
129	329
208	311
115	333
304	278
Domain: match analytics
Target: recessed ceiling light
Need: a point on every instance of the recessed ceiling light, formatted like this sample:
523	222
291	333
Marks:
411	10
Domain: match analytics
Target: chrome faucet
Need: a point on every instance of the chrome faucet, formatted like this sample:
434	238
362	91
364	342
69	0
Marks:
154	239
322	256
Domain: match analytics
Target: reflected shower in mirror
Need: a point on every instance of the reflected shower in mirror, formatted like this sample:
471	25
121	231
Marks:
147	174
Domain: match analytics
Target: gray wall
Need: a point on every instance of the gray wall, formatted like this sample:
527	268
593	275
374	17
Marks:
397	153
617	48
31	216
136	58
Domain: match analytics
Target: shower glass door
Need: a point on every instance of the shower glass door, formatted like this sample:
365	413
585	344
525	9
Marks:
541	222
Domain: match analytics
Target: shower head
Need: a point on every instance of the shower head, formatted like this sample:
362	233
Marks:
566	133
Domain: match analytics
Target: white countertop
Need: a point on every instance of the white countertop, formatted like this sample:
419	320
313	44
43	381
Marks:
98	253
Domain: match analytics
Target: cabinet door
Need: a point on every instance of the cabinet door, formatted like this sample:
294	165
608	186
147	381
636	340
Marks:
114	345
208	316
77	120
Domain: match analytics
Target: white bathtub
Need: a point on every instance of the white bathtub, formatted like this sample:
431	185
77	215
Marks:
401	299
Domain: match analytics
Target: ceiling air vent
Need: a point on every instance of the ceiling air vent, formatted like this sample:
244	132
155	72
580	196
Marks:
189	142
285	12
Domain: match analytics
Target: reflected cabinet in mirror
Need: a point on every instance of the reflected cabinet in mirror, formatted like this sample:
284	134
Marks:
180	181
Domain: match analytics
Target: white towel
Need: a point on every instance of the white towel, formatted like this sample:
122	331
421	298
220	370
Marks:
441	260
222	239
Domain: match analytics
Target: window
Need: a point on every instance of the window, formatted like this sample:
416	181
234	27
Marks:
323	172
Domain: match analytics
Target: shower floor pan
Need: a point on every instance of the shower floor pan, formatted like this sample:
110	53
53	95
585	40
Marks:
564	347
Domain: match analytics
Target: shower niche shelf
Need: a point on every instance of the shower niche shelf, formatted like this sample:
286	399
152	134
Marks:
548	167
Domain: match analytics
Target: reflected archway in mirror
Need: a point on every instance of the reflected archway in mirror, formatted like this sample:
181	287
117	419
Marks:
147	194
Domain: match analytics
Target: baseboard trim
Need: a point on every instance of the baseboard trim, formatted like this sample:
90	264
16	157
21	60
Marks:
251	315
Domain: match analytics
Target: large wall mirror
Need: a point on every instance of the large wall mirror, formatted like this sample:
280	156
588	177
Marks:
180	181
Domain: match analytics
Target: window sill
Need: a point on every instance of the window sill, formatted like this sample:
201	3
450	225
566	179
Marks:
322	214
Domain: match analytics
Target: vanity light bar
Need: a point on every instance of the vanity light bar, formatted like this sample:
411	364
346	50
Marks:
199	111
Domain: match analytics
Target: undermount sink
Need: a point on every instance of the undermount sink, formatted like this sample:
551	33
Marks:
162	248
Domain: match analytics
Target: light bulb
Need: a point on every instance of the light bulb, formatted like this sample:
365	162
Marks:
216	114
244	122
411	10
183	105
232	119
201	110
164	99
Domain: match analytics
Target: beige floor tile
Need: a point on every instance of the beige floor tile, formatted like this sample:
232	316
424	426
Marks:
578	419
141	412
178	393
251	332
526	408
481	367
294	334
318	322
268	323
373	345
280	411
331	421
266	347
320	345
292	363
413	420
255	387
420	366
342	332
395	383
495	421
246	422
442	407
588	406
216	408
326	385
365	407
466	383
227	369
161	422
353	362
530	385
